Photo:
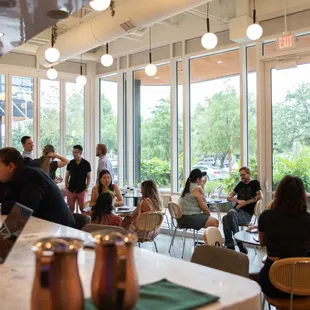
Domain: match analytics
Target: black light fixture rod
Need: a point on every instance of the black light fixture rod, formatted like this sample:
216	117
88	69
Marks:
107	48
81	69
150	50
150	57
208	24
254	14
52	36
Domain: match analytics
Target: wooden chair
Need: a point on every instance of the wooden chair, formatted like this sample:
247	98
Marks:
292	276
147	226
176	213
222	259
213	237
97	227
81	220
175	198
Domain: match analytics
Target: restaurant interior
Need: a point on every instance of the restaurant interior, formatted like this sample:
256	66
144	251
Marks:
169	87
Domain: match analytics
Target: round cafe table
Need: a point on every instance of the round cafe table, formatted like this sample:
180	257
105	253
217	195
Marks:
247	237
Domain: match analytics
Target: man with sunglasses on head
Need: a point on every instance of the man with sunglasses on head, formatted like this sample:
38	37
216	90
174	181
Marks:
248	192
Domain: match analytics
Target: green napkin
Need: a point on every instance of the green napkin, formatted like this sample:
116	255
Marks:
166	295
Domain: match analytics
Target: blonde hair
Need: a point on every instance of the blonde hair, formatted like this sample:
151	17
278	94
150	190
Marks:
150	191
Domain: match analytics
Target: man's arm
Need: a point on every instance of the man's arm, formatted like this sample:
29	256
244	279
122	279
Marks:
88	179
62	160
31	195
67	178
231	197
259	196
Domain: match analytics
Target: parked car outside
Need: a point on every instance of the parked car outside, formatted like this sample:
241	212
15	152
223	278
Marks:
213	174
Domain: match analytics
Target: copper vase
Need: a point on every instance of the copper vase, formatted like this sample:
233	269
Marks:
57	284
114	282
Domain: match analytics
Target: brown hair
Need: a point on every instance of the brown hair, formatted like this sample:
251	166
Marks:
11	155
246	169
103	148
150	191
48	148
290	196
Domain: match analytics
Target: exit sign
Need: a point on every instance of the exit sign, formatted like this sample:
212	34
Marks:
285	42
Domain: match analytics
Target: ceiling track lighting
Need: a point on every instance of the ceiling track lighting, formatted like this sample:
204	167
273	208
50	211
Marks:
107	59
52	54
81	79
52	73
209	40
254	31
150	69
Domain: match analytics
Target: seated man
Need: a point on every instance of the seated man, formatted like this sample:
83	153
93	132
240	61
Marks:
32	188
248	192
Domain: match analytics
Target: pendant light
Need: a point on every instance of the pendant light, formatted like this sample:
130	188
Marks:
254	31
150	69
107	59
209	40
81	79
52	54
51	73
99	5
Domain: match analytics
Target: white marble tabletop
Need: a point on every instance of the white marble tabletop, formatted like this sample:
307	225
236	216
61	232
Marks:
18	270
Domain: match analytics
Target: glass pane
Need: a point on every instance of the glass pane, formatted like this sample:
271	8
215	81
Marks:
22	102
74	117
290	123
152	141
2	110
251	101
50	113
215	116
180	123
125	175
108	119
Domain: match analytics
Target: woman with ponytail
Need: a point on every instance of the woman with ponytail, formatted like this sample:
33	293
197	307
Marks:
196	213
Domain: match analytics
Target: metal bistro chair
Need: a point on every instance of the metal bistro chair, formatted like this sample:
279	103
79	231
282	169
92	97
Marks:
81	220
256	215
147	226
166	198
176	213
212	236
292	276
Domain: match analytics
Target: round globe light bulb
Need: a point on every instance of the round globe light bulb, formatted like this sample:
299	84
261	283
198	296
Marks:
81	80
209	40
150	70
52	74
254	32
106	60
52	54
99	5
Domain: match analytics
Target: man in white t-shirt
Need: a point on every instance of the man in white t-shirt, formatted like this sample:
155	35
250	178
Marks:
103	163
28	147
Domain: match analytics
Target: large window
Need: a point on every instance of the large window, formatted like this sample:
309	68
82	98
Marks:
290	123
152	140
22	107
50	113
251	109
108	118
2	111
74	116
215	115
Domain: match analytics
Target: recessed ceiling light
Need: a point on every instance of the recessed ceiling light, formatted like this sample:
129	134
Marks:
157	77
219	62
1	34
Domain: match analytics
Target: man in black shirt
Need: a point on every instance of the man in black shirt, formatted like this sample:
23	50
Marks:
77	178
248	192
32	188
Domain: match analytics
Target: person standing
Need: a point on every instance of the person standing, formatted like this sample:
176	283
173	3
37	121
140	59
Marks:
248	192
77	178
103	163
32	188
28	146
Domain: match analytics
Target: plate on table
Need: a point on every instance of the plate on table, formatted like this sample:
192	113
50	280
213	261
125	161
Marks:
217	200
123	209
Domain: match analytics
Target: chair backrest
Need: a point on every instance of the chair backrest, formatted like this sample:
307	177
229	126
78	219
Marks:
222	259
148	221
212	236
86	204
97	227
81	220
257	208
166	198
175	198
175	210
291	275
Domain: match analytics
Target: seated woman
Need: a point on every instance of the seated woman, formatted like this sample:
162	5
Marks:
150	201
196	213
105	186
102	211
284	229
48	164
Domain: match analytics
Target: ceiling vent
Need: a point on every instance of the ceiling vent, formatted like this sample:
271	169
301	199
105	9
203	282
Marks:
128	26
7	3
57	14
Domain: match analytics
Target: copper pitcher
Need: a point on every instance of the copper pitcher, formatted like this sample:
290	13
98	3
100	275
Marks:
57	284
114	282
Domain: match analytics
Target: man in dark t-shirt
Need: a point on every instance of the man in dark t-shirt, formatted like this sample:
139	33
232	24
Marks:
32	188
77	179
248	192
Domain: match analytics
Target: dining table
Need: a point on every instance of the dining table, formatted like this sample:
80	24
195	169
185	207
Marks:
17	272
